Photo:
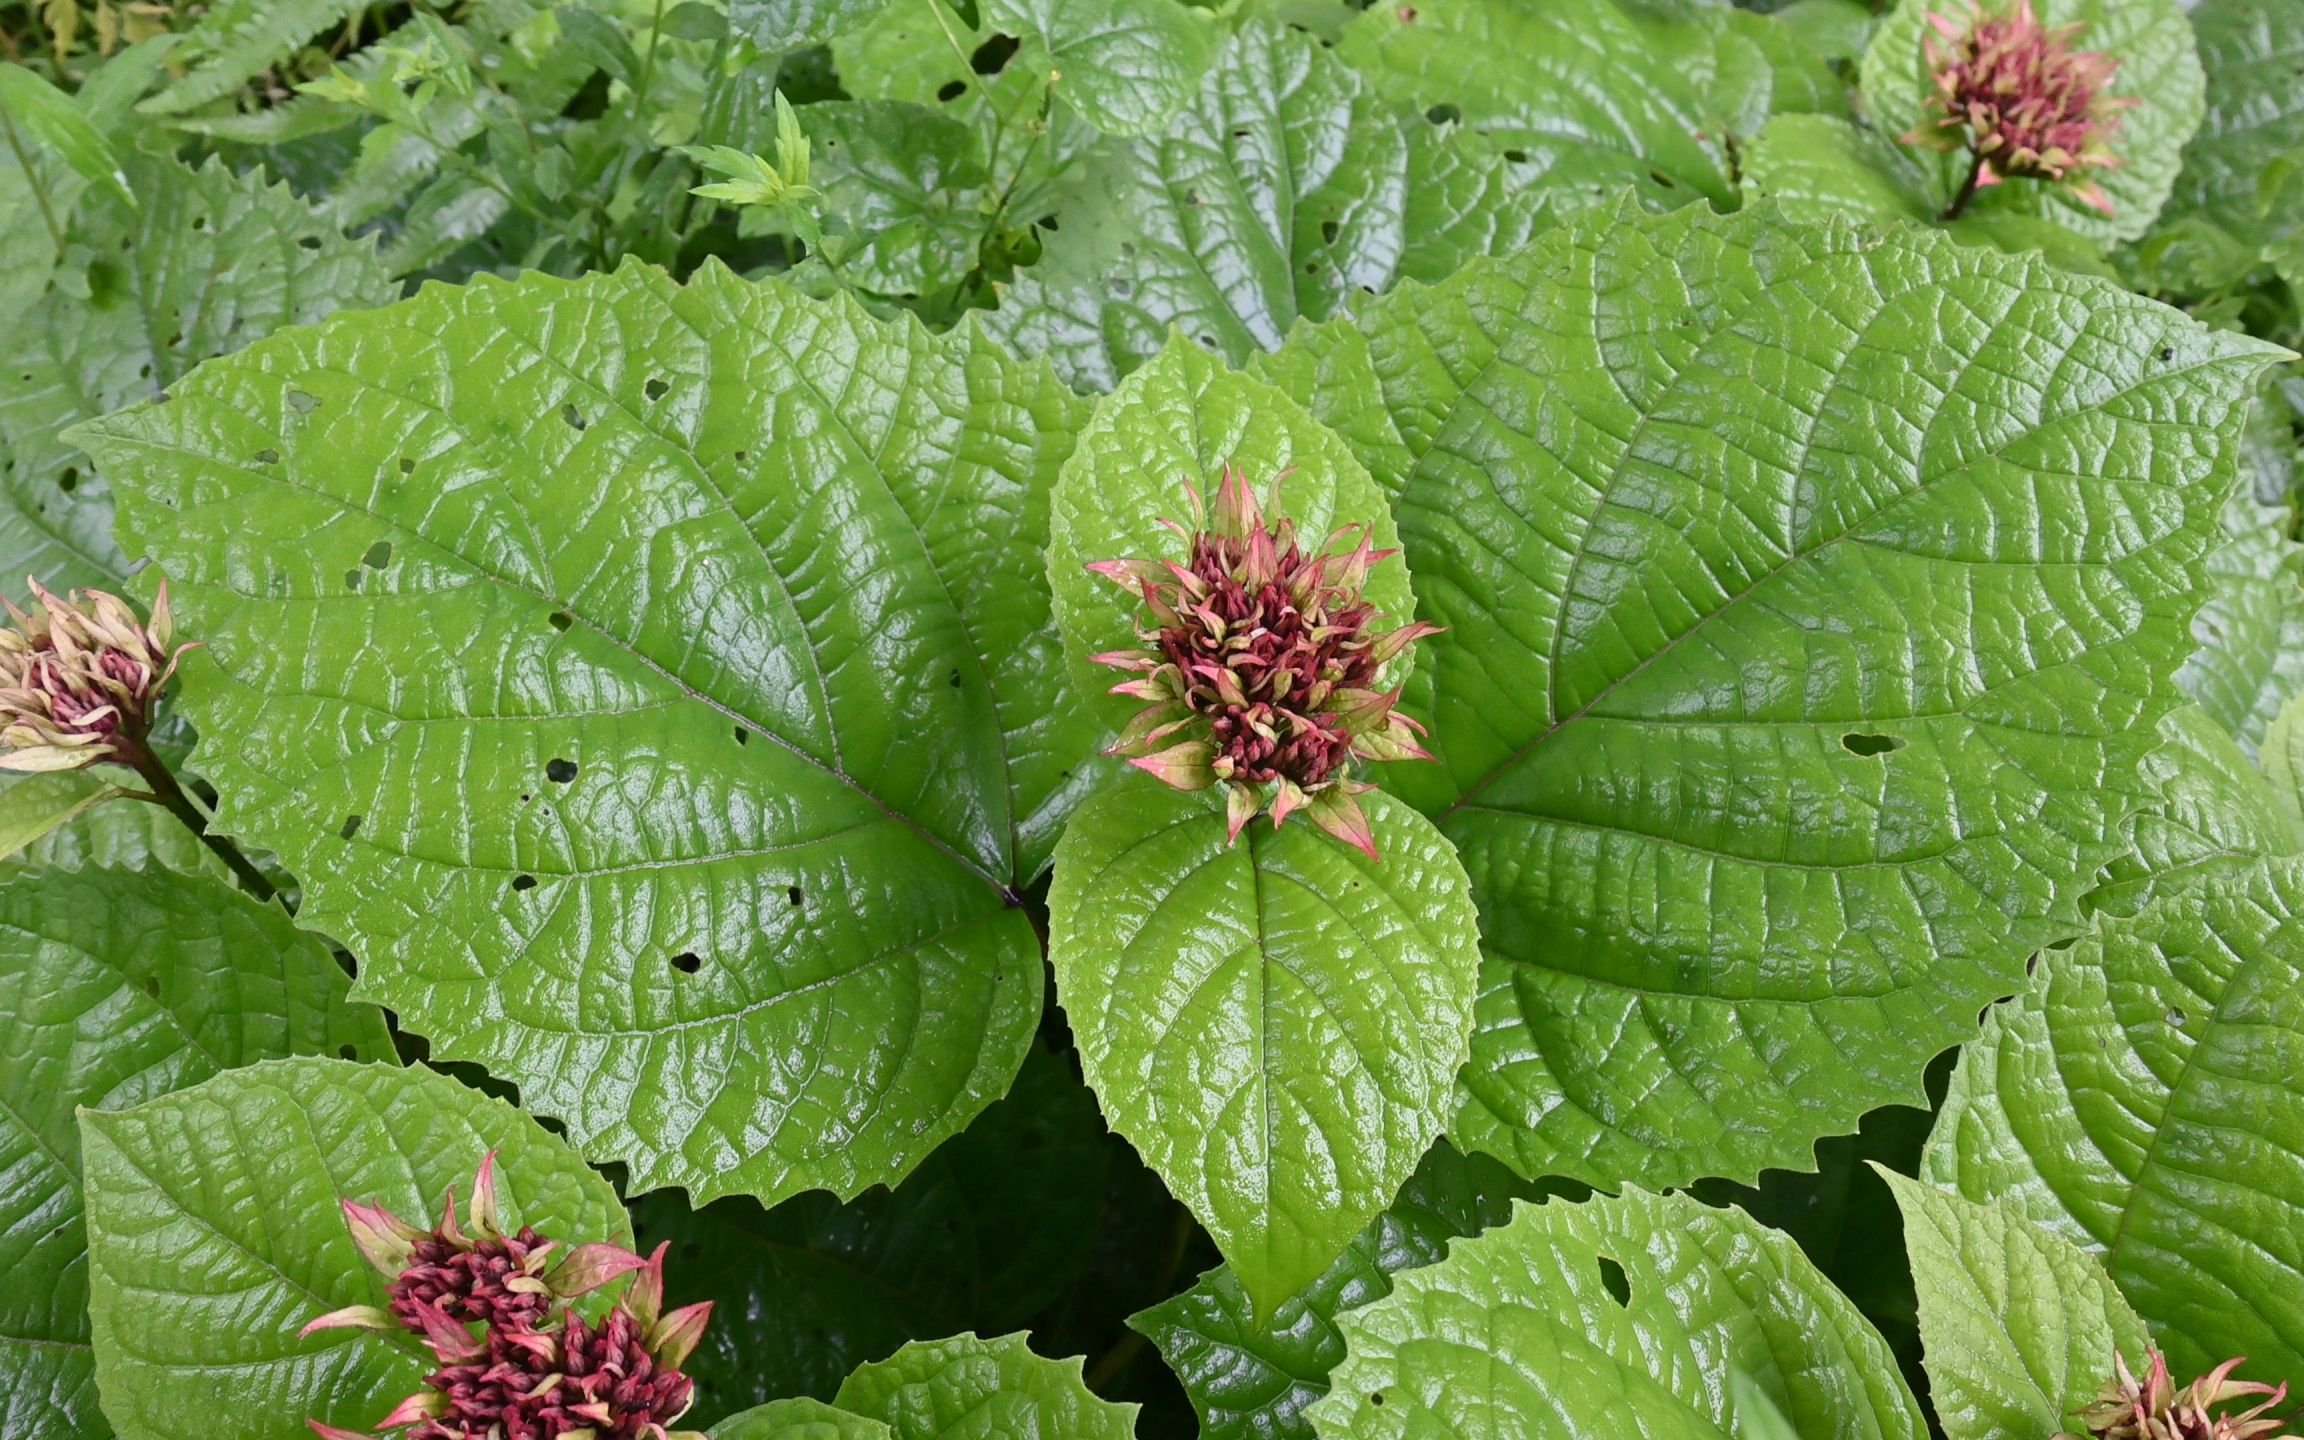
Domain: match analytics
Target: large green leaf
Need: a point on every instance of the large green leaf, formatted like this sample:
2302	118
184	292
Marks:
1812	596
1590	93
209	262
2251	631
2159	72
214	1233
2251	51
1284	189
2021	1325
1619	1316
654	687
799	1419
2139	1099
117	986
983	1235
1276	1022
1124	65
781	25
1252	1381
967	1388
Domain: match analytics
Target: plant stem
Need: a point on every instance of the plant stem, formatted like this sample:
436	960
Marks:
167	793
32	178
1968	189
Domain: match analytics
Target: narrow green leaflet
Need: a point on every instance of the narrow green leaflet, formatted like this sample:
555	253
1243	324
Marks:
2159	70
1812	595
1678	89
799	1419
1251	1381
2020	1324
2251	51
1620	1316
209	262
967	1388
115	987
236	40
990	1228
1283	189
652	686
2251	630
215	1232
1124	65
2138	1098
49	117
777	26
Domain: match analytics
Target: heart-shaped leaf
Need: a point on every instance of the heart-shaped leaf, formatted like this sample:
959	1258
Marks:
1812	595
215	1232
652	685
1618	1316
117	986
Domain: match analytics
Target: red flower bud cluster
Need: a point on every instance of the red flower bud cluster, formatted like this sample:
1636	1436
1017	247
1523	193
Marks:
2153	1408
2022	100
1262	666
536	1370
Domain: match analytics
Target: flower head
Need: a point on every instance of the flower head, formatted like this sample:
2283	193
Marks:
483	1275
2019	97
78	678
2152	1408
1262	666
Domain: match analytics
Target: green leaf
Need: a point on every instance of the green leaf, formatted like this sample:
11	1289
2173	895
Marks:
1679	87
912	186
1618	1316
33	806
648	683
967	1388
2138	1099
2021	1325
234	41
2251	630
1124	65
1284	189
1812	596
1274	1023
785	25
1182	419
799	1419
215	1233
1818	166
134	836
115	987
48	115
2251	51
2159	70
210	262
2283	760
989	1230
1251	1381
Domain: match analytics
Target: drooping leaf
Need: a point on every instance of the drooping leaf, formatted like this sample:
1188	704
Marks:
215	1232
1285	188
1620	1316
2250	51
45	113
1124	65
118	986
1594	94
2138	1098
1812	595
1251	1381
2251	630
2159	70
967	1388
986	1232
2021	1325
799	1419
649	683
208	263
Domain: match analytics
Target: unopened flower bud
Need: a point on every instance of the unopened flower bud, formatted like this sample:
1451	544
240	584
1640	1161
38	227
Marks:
79	678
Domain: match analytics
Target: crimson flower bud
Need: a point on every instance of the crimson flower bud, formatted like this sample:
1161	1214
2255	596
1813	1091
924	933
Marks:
79	678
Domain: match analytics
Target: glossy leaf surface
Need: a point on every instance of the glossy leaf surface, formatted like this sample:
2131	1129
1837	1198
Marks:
652	685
